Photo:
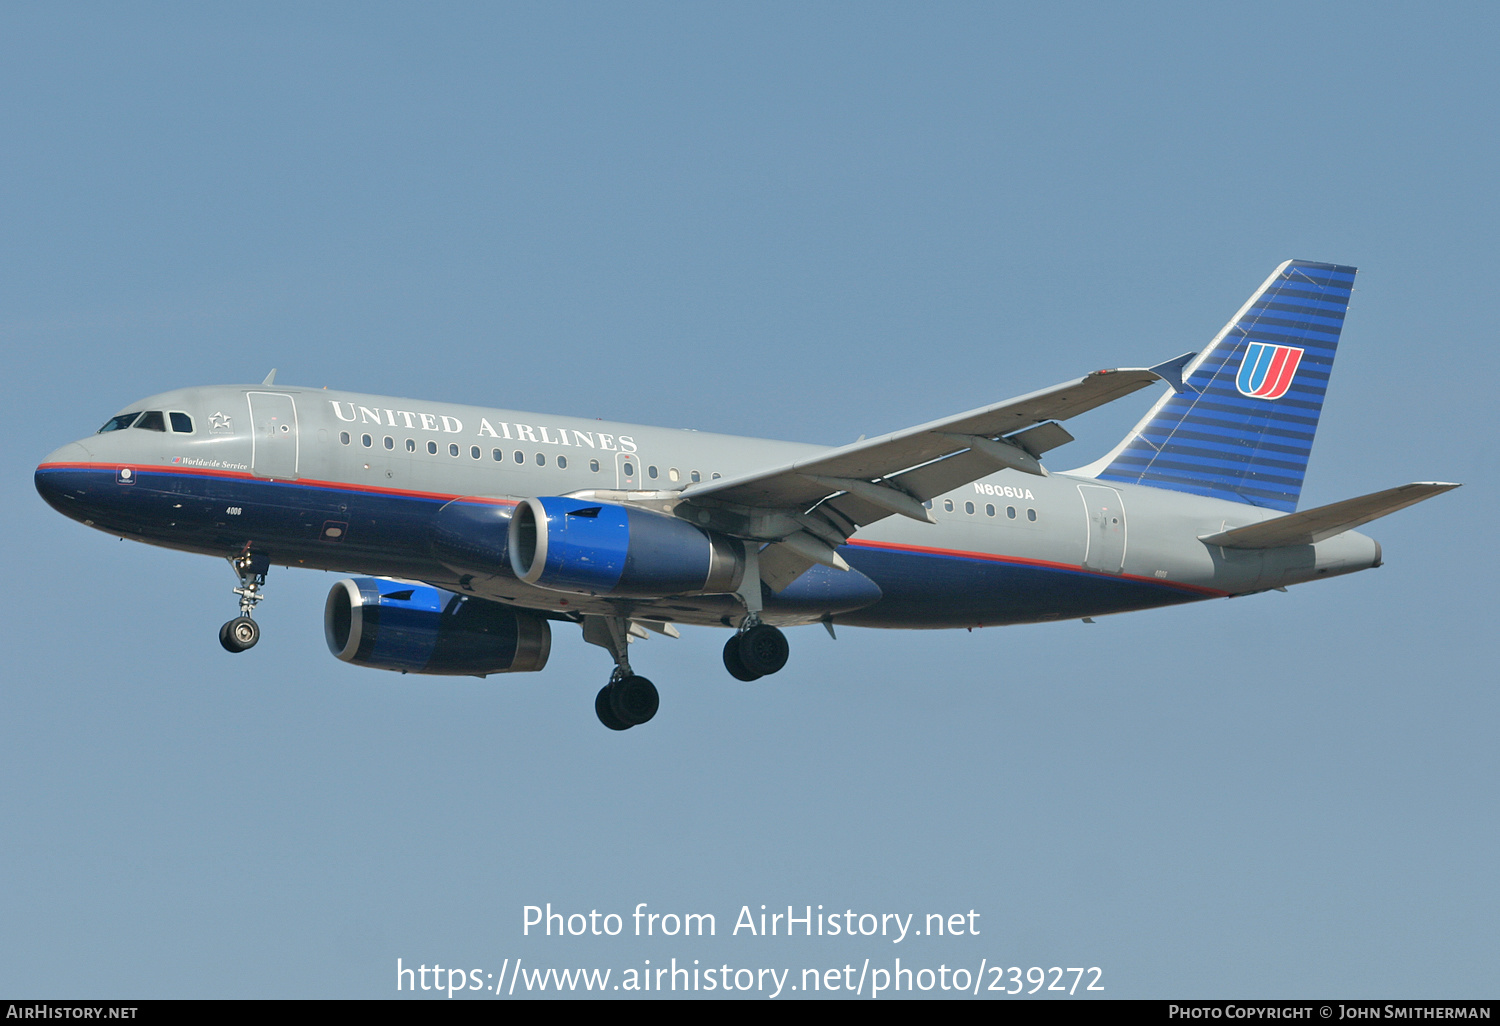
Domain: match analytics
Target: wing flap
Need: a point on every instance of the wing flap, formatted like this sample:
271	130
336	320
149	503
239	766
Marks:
1314	525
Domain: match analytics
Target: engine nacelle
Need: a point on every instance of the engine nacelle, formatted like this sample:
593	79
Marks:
594	548
414	628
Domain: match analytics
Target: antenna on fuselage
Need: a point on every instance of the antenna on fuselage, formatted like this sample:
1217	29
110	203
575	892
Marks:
270	378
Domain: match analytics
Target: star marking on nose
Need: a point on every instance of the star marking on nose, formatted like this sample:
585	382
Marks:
219	422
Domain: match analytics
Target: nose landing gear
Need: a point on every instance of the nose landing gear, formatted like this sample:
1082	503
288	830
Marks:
243	632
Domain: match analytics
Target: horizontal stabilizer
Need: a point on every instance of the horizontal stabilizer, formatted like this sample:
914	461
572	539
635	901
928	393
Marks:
1313	525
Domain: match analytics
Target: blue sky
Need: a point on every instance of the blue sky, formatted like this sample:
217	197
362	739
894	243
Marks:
803	223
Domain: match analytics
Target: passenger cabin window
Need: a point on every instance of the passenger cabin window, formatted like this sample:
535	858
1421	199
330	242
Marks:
695	477
119	423
989	509
520	456
181	423
1031	515
562	463
432	448
948	505
497	455
366	441
152	420
969	508
651	472
411	445
1010	511
344	438
594	466
452	448
474	451
541	460
390	443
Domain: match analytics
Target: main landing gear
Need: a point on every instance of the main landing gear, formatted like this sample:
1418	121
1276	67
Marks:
757	650
243	632
628	700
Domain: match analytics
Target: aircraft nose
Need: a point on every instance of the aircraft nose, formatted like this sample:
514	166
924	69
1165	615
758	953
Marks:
73	452
49	477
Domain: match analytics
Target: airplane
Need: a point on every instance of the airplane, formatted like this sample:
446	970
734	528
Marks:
477	530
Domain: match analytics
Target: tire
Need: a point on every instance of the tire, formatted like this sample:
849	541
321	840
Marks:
634	700
733	663
605	713
763	649
239	634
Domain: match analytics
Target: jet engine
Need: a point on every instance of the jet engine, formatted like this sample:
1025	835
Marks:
594	548
414	628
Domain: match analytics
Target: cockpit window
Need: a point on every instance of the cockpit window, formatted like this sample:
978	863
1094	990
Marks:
152	420
181	423
119	423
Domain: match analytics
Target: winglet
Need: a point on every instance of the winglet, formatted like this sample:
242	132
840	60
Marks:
1171	372
270	378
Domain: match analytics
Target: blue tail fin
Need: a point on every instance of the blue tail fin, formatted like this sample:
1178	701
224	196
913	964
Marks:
1244	430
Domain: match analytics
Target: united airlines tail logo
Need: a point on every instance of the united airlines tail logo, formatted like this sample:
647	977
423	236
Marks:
1267	370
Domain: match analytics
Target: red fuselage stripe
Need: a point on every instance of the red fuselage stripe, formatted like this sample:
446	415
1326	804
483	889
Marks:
240	475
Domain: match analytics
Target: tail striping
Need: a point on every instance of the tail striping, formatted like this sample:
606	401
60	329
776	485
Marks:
1245	428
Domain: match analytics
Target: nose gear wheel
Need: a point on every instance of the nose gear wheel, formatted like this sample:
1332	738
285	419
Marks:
243	632
239	634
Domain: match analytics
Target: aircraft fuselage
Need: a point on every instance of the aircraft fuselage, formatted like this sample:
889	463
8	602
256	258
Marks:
364	484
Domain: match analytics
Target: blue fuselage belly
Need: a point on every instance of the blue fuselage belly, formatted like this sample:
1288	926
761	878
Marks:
332	527
935	590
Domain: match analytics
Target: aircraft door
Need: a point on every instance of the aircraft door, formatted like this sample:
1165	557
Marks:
628	471
273	424
1105	516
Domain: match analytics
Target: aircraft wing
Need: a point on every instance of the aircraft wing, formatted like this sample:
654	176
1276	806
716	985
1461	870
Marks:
814	504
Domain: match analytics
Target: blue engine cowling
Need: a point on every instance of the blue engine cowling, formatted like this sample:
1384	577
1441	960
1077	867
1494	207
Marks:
594	548
414	628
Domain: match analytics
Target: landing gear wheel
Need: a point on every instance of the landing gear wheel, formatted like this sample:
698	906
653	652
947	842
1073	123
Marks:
763	649
239	634
633	700
605	713
733	663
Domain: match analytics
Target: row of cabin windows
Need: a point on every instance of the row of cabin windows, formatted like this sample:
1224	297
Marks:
151	420
673	474
989	509
498	455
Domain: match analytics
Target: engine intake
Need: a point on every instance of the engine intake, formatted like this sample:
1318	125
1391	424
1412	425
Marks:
594	548
415	628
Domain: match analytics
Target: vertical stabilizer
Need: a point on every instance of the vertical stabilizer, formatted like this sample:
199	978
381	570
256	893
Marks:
1244	427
